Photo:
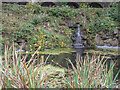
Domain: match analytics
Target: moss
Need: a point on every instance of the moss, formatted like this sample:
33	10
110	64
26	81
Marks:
54	51
113	52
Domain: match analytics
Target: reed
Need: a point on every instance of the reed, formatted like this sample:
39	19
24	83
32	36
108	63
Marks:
17	73
91	72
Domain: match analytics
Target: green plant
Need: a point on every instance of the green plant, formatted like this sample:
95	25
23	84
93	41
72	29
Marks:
101	24
63	12
63	3
25	23
35	8
113	11
49	39
39	19
17	73
23	30
91	72
83	5
15	8
96	21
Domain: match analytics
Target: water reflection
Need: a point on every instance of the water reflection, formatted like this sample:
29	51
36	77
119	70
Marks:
61	60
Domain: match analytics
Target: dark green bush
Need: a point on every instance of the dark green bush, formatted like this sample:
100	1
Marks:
23	30
39	19
113	11
47	39
64	12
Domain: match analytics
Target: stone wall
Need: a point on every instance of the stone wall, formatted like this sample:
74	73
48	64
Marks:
107	39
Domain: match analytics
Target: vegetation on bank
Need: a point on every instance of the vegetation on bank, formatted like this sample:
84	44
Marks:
91	72
31	71
48	27
36	29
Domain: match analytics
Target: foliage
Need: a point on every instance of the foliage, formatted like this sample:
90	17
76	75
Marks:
32	22
98	24
49	39
29	70
15	7
91	73
40	26
63	3
36	8
97	20
16	73
23	31
64	12
83	5
39	19
113	11
33	27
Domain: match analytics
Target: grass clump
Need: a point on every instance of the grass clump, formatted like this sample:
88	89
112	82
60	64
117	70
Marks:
31	71
91	73
17	72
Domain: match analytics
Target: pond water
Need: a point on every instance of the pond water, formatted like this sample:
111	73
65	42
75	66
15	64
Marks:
110	47
61	60
58	57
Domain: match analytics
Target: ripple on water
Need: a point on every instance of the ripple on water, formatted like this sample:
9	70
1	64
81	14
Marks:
108	47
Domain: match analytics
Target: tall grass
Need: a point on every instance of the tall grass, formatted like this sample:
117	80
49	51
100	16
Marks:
91	72
17	73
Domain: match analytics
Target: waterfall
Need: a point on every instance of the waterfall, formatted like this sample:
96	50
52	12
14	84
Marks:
78	42
79	38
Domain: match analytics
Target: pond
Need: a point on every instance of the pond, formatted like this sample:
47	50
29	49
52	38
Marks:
59	57
57	62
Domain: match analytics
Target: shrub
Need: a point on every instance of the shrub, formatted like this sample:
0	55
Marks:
64	12
49	39
39	19
97	20
14	8
114	11
24	30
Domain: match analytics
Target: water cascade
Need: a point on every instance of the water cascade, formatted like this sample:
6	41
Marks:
79	43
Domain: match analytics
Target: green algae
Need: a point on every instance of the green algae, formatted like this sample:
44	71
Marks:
54	51
113	52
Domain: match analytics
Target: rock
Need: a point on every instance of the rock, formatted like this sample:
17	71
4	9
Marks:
70	23
107	44
100	33
106	41
105	37
99	40
85	43
16	44
62	24
115	31
114	42
117	36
